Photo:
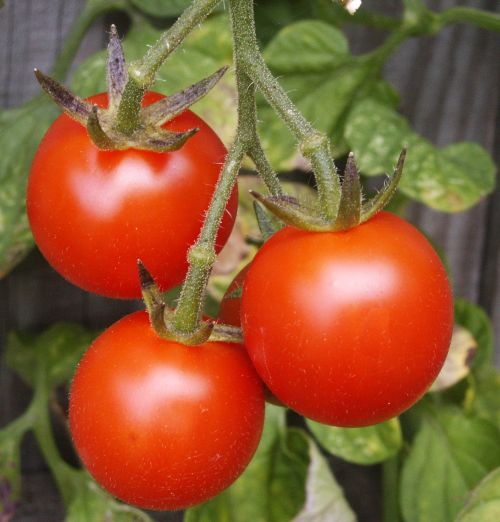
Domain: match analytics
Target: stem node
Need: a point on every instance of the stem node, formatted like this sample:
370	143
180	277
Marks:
201	255
312	143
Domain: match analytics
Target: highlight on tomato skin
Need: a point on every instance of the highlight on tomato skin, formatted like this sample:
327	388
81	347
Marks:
161	425
348	328
93	213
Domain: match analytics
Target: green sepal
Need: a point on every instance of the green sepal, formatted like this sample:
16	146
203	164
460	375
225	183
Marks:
268	224
125	124
167	108
350	200
290	212
384	196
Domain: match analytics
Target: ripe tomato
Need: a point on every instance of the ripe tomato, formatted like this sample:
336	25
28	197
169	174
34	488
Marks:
229	311
162	425
93	213
348	328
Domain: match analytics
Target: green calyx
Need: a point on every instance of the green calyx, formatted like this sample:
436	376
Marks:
163	323
125	124
352	209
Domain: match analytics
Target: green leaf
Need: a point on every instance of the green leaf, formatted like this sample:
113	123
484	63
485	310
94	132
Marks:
161	8
449	456
206	50
321	47
474	318
312	61
57	349
271	17
360	445
450	179
484	502
325	500
287	478
463	348
21	130
271	488
486	395
89	502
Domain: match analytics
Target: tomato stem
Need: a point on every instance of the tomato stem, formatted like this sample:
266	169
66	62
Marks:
479	17
266	172
45	437
142	73
314	144
251	73
202	255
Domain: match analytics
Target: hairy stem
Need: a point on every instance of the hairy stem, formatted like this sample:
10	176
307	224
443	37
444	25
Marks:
315	145
468	15
201	255
145	69
266	172
142	72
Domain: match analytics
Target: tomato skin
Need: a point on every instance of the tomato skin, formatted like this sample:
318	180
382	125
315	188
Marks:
348	328
93	213
161	425
229	311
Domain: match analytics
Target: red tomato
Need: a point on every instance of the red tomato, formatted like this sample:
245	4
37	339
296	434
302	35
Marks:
161	425
348	328
229	311
93	213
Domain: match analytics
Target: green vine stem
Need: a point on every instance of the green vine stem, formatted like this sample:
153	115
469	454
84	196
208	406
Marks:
468	15
315	145
483	19
92	9
142	73
421	21
266	172
44	435
201	255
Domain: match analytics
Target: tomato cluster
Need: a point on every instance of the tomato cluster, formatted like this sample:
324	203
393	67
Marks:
347	328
